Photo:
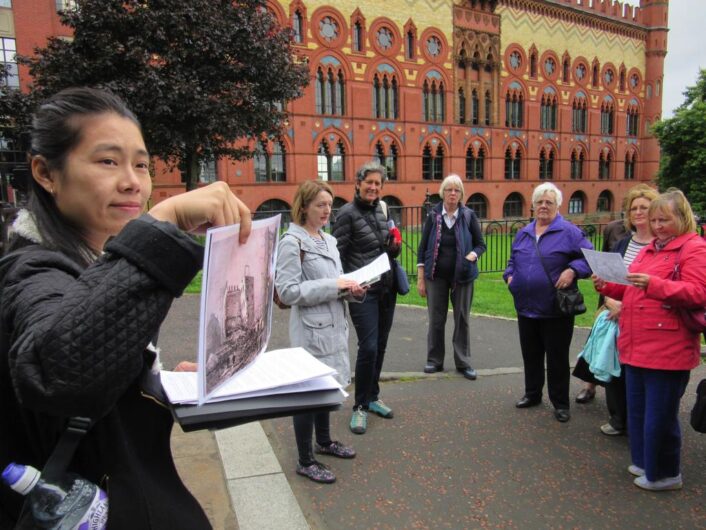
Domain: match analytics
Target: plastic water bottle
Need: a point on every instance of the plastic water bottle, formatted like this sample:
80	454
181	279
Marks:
71	503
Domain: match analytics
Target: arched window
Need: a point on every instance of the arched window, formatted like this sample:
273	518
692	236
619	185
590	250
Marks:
330	91
577	158
488	107
512	207
630	166
298	27
475	107
426	163
389	160
576	203
607	117
533	64
512	164
438	163
270	162
632	123
621	83
330	166
548	112
385	96
594	77
605	202
409	51
433	100
546	164
579	115
604	165
514	108
566	70
461	106
475	164
479	204
357	36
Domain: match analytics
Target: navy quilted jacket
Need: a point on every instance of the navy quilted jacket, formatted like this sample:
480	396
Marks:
73	343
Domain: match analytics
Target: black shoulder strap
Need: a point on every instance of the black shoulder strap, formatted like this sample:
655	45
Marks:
541	259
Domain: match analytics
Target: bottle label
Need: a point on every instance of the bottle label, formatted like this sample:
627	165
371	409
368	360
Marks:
96	517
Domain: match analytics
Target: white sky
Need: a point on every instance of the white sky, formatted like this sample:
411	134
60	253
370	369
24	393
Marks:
686	50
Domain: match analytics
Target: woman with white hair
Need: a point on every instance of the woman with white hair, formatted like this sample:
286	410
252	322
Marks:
549	245
447	259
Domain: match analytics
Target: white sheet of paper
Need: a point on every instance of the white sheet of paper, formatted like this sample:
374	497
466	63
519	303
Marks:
270	370
371	272
607	265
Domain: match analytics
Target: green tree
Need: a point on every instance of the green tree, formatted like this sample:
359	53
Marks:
682	139
199	74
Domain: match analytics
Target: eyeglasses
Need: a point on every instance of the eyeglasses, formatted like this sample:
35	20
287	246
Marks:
452	190
545	203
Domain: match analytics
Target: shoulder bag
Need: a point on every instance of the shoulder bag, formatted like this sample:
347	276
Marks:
698	413
569	301
693	319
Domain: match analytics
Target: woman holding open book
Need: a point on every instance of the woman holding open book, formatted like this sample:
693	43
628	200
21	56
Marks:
88	279
309	279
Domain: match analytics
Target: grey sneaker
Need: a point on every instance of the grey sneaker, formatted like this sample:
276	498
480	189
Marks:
359	421
634	470
609	430
379	408
663	484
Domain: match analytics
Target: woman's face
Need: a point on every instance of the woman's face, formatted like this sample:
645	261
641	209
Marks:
369	188
545	208
664	224
452	196
638	212
105	181
319	210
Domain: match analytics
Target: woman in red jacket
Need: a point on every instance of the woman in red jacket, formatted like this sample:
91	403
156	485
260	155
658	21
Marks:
655	346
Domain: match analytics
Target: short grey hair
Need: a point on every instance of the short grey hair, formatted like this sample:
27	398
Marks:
547	187
452	180
370	167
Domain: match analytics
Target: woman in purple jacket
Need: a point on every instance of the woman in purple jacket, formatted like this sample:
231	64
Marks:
543	330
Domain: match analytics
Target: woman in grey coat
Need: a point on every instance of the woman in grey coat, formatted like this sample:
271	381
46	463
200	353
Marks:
309	279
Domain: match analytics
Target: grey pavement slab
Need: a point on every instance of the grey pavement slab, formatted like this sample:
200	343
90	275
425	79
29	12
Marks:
458	454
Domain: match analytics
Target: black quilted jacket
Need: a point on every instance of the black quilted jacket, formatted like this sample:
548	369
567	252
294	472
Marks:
358	244
73	342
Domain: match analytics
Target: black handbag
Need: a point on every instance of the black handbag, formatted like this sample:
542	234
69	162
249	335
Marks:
568	301
698	413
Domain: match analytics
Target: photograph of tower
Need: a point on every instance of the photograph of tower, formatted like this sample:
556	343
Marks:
236	303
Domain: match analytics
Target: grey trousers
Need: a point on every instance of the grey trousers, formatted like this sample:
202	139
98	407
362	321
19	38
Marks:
439	291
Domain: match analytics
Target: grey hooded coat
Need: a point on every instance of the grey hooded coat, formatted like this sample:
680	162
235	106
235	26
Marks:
306	280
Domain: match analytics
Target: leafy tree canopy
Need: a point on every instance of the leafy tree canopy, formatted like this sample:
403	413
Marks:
682	139
199	74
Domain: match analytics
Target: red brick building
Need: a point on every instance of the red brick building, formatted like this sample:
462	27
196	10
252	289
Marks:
505	93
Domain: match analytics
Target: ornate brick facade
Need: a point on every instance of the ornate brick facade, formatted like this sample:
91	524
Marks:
503	92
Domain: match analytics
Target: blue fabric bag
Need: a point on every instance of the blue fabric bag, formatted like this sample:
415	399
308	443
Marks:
601	348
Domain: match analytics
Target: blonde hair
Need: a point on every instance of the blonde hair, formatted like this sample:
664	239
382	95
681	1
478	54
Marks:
306	193
452	180
674	202
639	191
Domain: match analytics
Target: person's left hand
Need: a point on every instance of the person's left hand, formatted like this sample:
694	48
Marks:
358	291
471	256
639	280
186	366
565	279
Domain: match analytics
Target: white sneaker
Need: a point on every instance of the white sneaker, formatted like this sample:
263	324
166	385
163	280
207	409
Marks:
634	470
663	484
608	430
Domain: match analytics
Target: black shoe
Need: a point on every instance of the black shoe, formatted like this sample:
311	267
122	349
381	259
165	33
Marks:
562	415
431	368
527	402
468	373
585	396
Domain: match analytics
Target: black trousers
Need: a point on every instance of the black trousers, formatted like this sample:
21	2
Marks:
304	429
550	337
616	400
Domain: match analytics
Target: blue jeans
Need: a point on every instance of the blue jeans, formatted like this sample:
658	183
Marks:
653	419
372	319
